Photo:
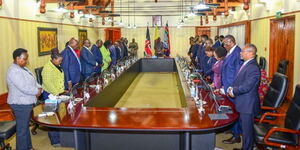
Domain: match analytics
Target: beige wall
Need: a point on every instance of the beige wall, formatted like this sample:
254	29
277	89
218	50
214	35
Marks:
23	34
260	36
179	38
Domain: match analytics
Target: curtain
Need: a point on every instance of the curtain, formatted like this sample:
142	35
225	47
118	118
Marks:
237	31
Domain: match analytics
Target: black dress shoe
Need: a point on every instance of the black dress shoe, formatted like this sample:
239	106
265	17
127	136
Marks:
232	140
237	149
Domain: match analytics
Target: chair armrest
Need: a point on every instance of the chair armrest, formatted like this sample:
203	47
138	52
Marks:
267	108
270	114
275	129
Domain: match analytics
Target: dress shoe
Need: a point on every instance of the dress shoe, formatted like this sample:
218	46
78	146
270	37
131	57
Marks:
237	149
232	140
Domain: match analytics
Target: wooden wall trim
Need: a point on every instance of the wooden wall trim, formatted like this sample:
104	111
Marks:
273	16
247	29
3	98
29	20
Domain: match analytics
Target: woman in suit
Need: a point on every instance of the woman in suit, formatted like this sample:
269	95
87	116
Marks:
219	54
211	60
53	75
53	83
22	92
106	54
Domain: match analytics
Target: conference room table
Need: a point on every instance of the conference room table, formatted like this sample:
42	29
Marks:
111	128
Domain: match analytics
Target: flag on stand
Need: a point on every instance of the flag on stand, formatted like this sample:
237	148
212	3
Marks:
148	44
156	33
167	45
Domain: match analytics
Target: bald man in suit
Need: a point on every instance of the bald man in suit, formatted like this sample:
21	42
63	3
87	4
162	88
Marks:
245	91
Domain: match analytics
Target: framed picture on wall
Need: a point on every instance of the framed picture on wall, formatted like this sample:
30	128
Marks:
47	40
82	35
156	20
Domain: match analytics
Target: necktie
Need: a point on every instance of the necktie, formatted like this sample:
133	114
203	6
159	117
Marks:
241	68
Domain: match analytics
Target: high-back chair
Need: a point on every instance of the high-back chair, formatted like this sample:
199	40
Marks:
282	66
262	62
7	129
274	96
38	74
286	137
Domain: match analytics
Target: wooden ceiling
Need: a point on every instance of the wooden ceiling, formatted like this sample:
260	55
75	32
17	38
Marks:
144	7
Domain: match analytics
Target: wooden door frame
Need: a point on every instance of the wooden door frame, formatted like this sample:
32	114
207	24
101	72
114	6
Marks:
271	66
107	29
247	29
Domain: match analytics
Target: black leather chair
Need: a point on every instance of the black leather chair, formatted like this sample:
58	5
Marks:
262	62
39	79
7	129
282	66
38	74
287	137
274	96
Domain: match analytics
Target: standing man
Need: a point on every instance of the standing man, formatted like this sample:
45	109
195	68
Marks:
71	64
159	48
245	91
118	50
22	92
230	67
217	42
201	56
133	46
97	53
113	53
87	59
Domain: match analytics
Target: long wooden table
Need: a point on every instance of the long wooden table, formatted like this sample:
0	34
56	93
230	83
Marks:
140	128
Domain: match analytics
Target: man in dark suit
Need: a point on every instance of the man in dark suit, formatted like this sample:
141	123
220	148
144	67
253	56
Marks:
217	42
71	64
245	91
87	59
230	67
98	55
201	56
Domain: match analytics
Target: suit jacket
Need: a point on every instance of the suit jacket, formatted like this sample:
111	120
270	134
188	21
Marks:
217	44
230	67
245	89
118	51
113	55
195	50
125	51
71	66
96	52
202	58
208	67
88	62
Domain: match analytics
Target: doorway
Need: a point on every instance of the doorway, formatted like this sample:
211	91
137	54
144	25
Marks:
282	41
112	34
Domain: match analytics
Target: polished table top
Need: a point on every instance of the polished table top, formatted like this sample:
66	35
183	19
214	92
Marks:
138	119
169	119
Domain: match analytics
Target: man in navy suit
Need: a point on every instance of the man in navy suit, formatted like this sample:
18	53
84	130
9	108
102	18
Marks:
245	91
71	64
98	55
217	42
87	59
201	56
230	67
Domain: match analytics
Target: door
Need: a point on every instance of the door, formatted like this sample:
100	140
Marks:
203	30
112	34
282	43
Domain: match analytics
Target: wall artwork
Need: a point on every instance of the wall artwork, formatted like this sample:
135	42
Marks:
47	40
82	35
